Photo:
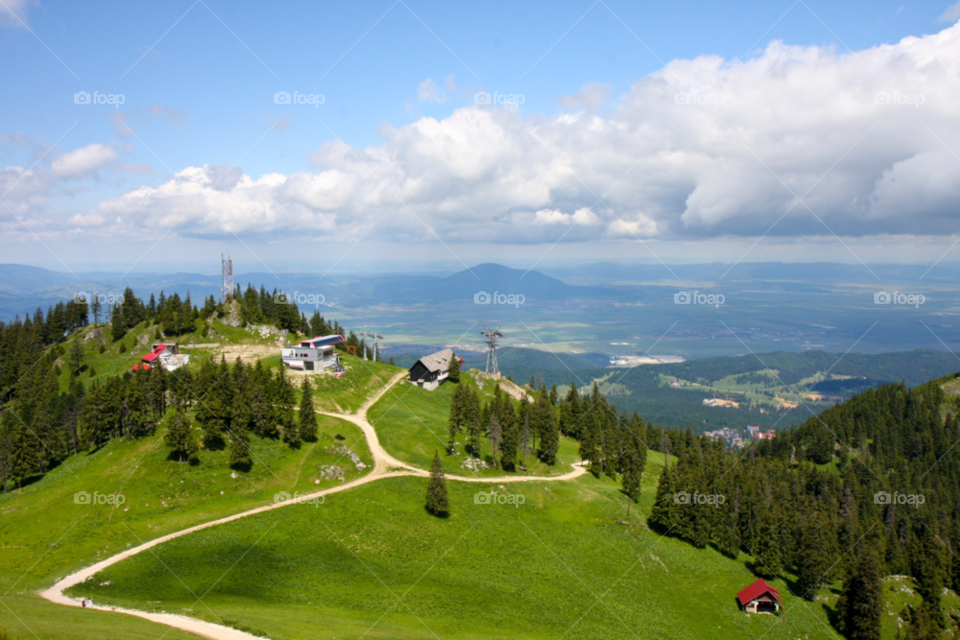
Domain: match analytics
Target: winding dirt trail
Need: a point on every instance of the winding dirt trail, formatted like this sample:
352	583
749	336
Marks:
385	466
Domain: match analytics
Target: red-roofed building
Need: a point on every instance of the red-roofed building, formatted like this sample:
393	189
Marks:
153	355
759	597
140	366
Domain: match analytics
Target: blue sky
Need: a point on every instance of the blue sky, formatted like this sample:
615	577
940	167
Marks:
198	83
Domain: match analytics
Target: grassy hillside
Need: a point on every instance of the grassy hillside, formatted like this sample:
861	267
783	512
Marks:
45	535
411	423
372	563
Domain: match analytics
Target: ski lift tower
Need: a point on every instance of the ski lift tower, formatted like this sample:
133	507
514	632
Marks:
226	289
376	346
492	366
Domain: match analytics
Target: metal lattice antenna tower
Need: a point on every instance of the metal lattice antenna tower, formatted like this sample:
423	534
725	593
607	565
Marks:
226	289
492	365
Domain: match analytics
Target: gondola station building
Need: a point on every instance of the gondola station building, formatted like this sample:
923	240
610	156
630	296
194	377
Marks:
315	354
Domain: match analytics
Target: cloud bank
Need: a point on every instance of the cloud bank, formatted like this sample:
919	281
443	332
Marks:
797	141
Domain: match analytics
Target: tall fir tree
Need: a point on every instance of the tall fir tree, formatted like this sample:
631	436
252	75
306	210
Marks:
860	606
437	501
308	418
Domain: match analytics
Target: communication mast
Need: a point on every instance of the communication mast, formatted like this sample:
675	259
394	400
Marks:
226	290
492	365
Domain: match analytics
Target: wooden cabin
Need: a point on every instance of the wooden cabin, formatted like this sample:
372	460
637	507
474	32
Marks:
759	597
430	371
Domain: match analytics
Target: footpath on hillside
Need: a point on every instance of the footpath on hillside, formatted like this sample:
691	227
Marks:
385	466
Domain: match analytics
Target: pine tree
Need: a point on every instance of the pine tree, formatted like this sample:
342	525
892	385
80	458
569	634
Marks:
861	598
437	501
813	560
767	553
549	430
525	436
179	438
510	440
455	421
631	473
240	456
588	444
665	513
494	434
453	371
308	419
472	418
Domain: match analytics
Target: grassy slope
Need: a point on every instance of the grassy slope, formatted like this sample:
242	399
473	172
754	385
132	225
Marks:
44	535
411	423
488	571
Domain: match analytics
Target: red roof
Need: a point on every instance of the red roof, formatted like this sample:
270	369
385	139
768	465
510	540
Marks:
756	590
141	367
153	355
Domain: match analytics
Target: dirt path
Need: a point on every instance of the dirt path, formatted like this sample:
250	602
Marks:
385	466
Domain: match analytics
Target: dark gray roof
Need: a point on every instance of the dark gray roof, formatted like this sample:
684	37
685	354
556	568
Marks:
439	361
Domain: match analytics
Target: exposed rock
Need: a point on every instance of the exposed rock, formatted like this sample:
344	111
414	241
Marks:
474	464
343	450
330	472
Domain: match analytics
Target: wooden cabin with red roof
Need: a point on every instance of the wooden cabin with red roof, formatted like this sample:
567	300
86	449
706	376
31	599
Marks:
759	597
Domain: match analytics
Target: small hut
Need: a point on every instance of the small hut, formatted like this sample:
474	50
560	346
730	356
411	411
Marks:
759	597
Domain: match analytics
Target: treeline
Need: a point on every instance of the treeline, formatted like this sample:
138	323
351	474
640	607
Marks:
891	505
611	445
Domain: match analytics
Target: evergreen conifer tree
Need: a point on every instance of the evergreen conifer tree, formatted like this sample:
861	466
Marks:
665	513
861	598
437	501
453	371
308	419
